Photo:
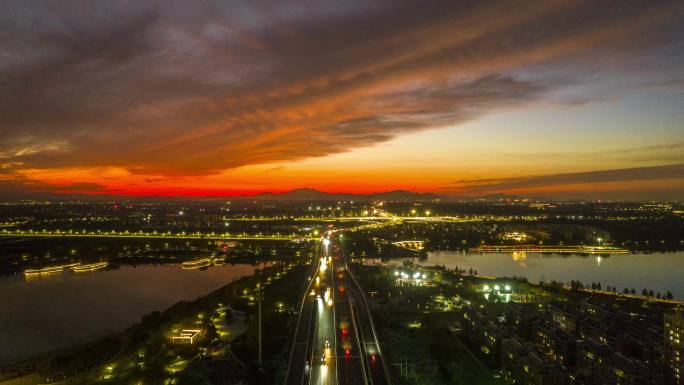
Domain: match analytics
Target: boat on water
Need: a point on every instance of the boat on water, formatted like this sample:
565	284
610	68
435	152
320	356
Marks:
197	263
50	269
90	267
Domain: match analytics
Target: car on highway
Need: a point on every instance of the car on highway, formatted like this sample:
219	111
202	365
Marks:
346	346
344	323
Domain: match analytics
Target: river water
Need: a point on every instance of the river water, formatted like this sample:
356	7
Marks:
659	272
55	312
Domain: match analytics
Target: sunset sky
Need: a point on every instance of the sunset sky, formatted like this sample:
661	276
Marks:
561	99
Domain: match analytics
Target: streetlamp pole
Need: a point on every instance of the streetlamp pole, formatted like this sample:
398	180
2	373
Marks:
260	297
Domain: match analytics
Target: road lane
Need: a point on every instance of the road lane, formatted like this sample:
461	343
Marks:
349	361
324	372
335	321
371	351
299	367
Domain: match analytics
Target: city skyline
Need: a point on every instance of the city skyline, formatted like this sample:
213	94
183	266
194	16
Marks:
570	99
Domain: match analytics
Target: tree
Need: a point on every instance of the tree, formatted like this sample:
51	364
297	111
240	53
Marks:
651	293
669	295
633	291
658	295
626	291
644	293
598	285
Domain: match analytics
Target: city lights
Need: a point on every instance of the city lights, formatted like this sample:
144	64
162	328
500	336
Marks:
333	193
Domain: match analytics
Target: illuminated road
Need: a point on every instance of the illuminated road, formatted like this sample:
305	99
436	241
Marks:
370	222
149	235
335	323
372	360
370	350
350	363
299	369
315	335
324	371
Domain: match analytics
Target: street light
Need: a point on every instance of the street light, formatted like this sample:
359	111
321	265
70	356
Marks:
260	297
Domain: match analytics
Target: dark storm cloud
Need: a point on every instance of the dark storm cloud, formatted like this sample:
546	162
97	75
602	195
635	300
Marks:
674	171
175	88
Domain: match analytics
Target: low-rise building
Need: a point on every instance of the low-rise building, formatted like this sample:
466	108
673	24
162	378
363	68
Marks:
674	347
521	364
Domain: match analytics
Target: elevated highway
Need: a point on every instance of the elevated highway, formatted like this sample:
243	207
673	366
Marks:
335	339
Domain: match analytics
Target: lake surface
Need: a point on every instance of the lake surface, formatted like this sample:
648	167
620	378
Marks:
55	312
659	271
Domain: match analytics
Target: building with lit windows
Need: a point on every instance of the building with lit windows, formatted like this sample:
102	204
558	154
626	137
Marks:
674	347
522	364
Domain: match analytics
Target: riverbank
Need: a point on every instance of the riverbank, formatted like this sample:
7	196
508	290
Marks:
143	350
657	272
18	255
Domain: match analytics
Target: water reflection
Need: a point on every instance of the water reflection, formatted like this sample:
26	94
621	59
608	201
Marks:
519	256
659	272
55	311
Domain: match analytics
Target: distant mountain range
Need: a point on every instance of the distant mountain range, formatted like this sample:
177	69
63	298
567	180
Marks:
307	194
302	194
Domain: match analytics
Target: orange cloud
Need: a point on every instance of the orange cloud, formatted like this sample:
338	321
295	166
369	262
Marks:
178	91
